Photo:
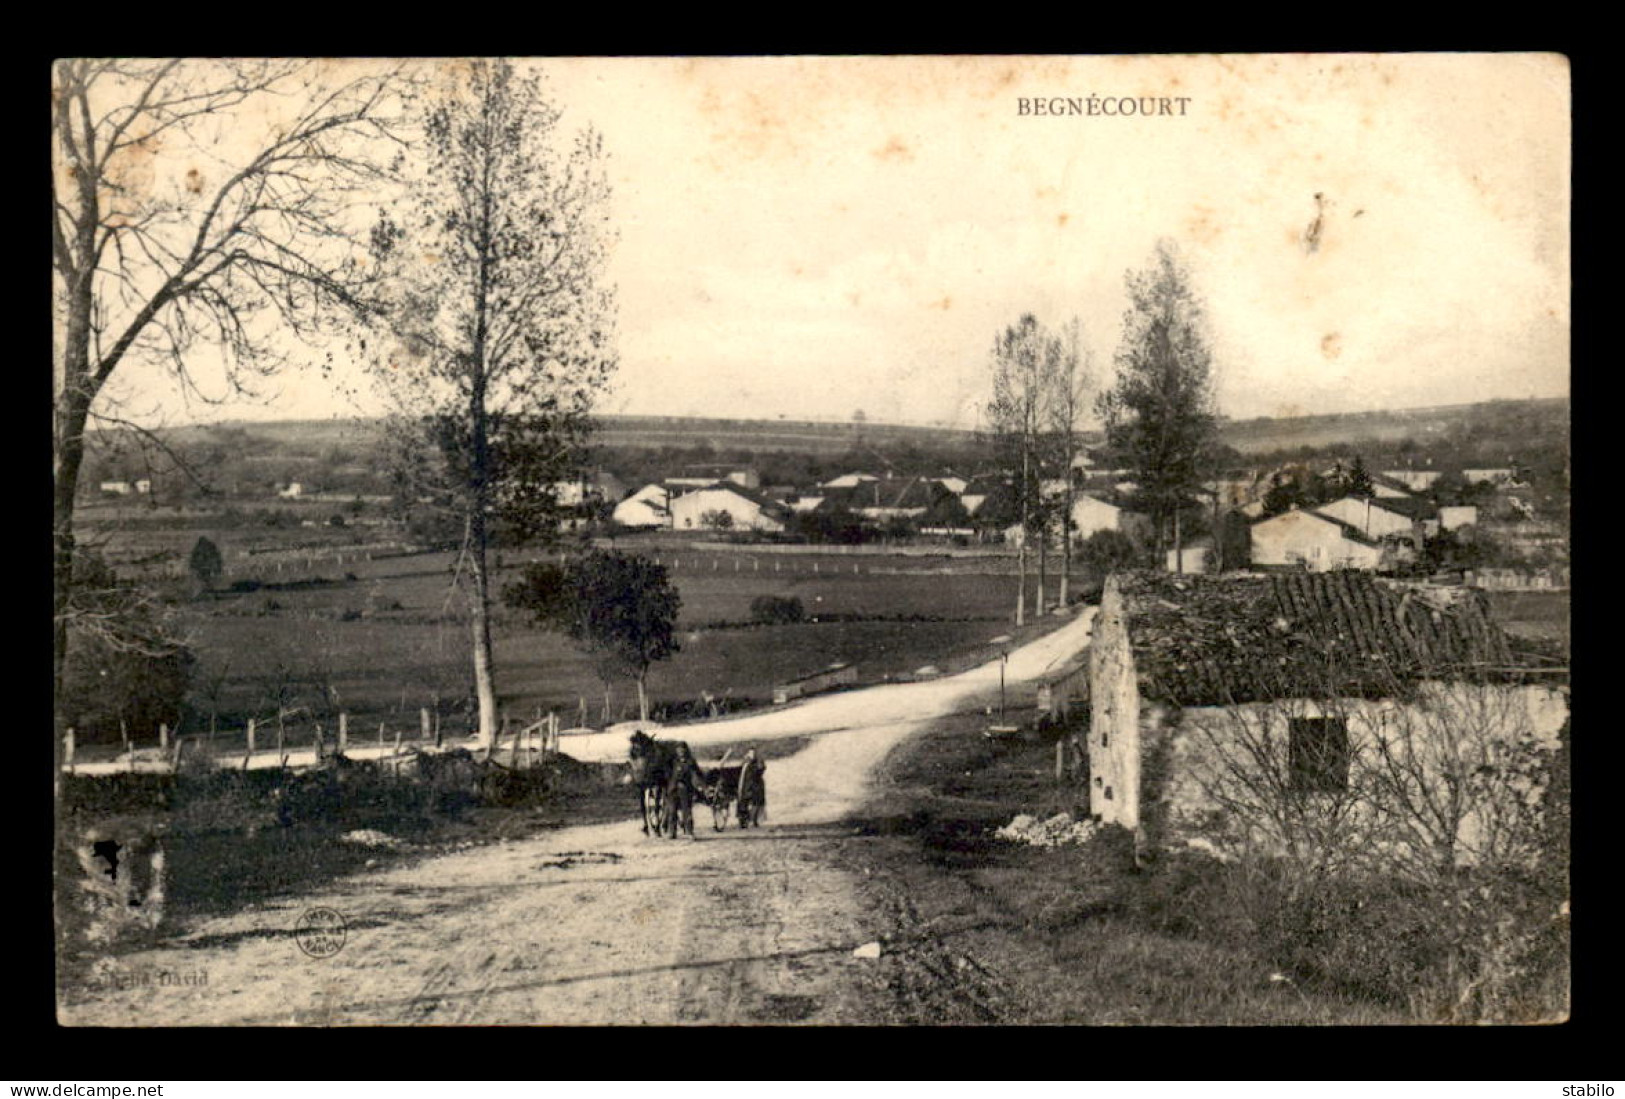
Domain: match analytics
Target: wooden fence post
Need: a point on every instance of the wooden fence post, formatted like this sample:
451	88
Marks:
1060	761
397	755
67	750
380	740
344	732
318	742
175	760
129	749
163	736
249	753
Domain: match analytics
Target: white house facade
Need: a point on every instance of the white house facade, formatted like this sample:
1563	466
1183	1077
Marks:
1316	542
744	512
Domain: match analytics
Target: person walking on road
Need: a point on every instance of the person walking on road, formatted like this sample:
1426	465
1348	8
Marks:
752	790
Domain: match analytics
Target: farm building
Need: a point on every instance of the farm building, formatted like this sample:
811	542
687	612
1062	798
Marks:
1453	517
745	509
1380	518
1092	514
1497	477
1307	539
849	480
116	488
592	485
1211	696
648	507
1193	559
1411	480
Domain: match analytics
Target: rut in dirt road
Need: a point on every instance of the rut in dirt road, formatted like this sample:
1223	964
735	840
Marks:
590	924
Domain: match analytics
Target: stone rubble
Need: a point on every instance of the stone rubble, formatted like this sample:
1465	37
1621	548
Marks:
1058	831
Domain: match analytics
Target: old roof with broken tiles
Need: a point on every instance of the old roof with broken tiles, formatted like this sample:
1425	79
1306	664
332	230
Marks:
1218	640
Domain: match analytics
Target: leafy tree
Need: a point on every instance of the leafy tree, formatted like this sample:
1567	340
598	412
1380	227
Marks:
946	510
1283	495
126	665
1359	480
1159	414
717	519
206	564
620	606
1108	551
500	319
202	216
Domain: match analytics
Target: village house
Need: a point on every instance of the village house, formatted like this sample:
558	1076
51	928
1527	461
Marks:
1092	514
1378	519
1406	480
116	488
1306	539
647	508
1456	516
745	509
1497	477
849	480
1209	694
976	494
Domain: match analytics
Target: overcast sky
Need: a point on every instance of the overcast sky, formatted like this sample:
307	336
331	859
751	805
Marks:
808	237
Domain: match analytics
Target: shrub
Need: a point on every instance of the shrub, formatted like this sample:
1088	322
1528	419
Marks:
776	609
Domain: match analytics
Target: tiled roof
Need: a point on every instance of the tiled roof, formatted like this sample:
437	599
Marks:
1221	640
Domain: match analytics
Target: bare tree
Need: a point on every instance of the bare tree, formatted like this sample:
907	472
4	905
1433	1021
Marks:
500	318
1016	417
204	211
1071	379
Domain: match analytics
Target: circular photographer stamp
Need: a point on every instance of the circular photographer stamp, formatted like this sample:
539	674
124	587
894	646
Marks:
321	932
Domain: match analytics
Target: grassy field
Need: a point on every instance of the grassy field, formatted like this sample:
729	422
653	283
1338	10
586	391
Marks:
1538	614
379	639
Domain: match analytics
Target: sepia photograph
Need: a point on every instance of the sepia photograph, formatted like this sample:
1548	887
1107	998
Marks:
901	541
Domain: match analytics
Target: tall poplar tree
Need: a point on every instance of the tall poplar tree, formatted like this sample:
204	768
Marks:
501	321
1159	413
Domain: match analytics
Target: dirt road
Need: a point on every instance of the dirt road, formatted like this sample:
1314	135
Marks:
584	925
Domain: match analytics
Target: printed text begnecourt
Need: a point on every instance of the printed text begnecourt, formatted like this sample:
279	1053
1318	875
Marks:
1110	106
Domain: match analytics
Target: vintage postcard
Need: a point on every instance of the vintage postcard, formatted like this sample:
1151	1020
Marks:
812	540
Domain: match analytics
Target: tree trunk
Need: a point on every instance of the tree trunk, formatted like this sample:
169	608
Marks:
485	690
1021	580
1043	567
1021	551
643	696
1179	555
1066	539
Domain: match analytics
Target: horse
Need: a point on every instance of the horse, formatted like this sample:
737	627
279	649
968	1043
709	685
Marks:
651	762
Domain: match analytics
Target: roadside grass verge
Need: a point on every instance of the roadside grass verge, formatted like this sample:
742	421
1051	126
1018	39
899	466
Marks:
1073	934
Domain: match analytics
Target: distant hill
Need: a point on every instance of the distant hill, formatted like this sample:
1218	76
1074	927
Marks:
1535	419
1539	418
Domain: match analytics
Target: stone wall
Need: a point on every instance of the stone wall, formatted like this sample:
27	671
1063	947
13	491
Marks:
1114	715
